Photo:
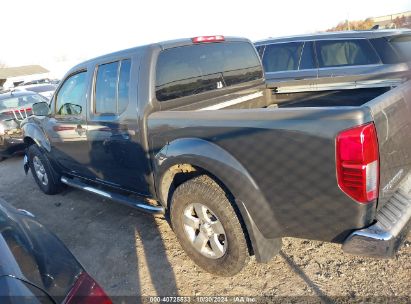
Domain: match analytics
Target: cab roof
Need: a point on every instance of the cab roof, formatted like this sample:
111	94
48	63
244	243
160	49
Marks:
163	45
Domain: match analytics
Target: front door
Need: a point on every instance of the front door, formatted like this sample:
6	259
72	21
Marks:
68	126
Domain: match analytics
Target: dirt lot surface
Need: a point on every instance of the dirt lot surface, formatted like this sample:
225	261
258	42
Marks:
132	254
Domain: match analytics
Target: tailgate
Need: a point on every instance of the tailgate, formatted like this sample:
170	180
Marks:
392	116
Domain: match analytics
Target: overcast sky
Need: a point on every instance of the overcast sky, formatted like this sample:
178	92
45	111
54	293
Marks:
56	33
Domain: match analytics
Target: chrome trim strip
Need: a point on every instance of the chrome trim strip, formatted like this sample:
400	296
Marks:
232	102
360	84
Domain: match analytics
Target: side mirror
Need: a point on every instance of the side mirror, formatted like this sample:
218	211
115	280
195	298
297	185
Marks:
41	109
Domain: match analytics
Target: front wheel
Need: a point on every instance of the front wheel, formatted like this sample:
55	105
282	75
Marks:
208	228
43	173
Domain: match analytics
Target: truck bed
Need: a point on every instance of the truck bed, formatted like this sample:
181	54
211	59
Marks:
289	153
334	98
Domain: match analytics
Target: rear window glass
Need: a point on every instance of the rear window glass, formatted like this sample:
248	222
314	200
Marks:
335	53
282	56
403	45
194	69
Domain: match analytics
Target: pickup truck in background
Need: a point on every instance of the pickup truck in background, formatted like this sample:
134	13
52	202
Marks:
15	106
187	128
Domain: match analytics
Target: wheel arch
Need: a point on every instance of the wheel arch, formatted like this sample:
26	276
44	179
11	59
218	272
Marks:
187	158
34	135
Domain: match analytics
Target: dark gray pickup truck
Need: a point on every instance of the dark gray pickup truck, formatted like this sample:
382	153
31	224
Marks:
187	128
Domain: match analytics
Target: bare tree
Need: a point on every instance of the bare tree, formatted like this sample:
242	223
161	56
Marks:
353	25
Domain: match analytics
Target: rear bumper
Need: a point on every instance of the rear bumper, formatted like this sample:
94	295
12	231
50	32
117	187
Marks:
384	238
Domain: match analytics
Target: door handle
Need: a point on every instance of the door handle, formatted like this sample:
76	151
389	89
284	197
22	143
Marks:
80	130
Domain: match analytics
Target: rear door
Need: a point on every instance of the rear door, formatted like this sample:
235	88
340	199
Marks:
116	155
289	63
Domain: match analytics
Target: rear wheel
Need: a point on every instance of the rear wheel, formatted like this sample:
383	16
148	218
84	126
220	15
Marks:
208	228
44	175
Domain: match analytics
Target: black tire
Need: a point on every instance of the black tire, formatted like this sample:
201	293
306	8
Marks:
53	184
206	192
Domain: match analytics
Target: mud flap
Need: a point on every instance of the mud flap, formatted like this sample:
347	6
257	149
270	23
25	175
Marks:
26	164
264	249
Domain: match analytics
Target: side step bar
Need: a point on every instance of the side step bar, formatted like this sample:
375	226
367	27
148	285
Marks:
140	205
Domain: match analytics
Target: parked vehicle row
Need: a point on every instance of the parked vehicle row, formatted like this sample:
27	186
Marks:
14	108
189	128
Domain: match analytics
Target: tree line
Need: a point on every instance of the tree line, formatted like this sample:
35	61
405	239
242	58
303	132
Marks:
367	24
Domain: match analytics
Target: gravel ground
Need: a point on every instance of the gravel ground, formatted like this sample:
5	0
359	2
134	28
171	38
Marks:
132	254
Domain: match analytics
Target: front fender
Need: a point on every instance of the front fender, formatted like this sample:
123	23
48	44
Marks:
249	200
33	131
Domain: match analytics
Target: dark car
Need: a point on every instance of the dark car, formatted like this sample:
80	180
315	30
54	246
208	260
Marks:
36	267
14	108
339	60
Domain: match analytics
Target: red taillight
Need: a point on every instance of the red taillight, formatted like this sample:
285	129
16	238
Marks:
87	291
357	159
203	39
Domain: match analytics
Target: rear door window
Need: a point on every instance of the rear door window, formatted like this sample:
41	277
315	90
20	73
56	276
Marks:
112	88
282	56
189	70
106	89
340	53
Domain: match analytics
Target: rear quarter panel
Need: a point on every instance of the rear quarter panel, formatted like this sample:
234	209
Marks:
290	156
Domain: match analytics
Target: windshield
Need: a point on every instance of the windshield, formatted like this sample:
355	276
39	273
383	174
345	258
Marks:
20	101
